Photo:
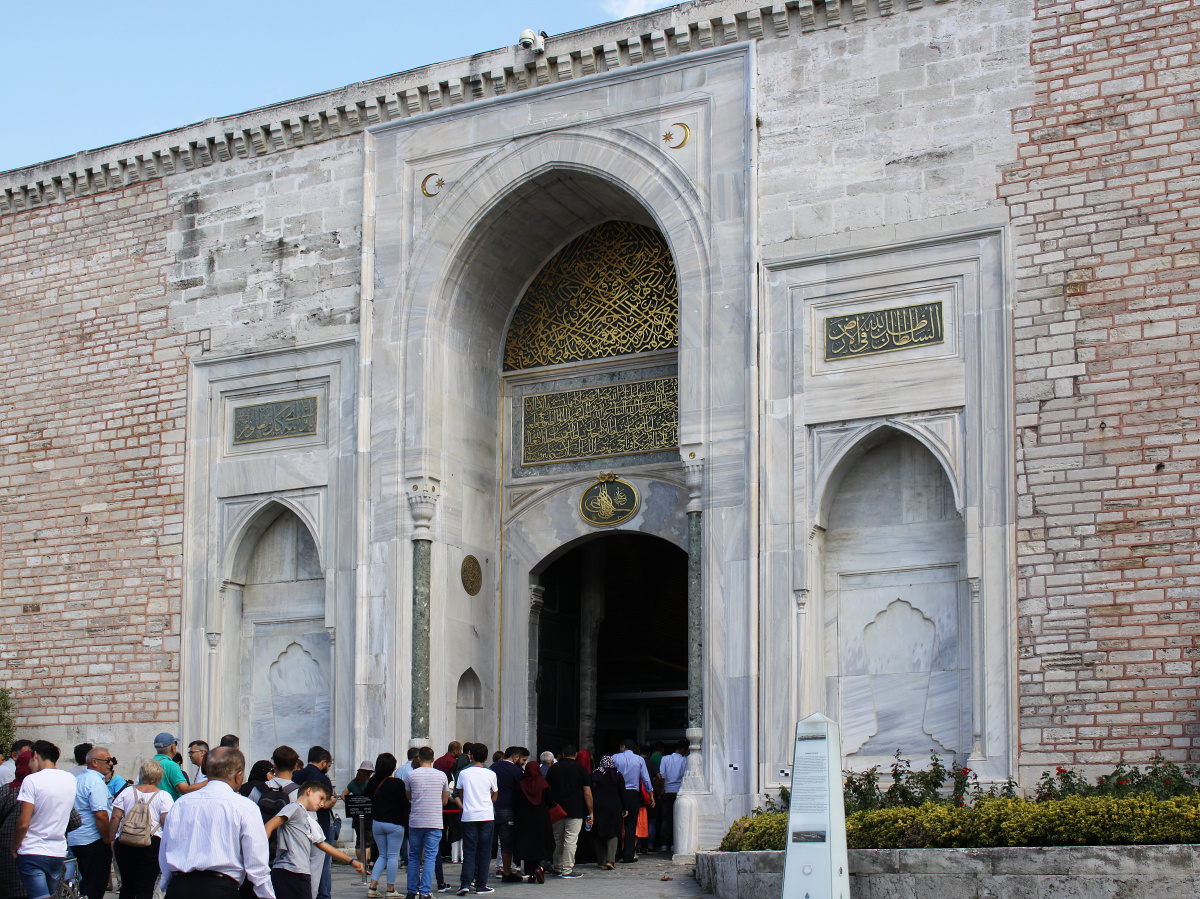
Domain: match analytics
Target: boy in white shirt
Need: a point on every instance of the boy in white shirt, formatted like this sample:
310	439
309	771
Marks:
477	789
47	796
299	832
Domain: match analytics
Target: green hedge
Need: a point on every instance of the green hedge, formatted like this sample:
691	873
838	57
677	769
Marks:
1074	821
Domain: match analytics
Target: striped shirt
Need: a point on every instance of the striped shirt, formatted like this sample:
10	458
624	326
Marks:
426	786
215	829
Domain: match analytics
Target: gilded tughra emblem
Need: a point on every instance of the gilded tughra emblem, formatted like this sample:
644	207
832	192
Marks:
608	502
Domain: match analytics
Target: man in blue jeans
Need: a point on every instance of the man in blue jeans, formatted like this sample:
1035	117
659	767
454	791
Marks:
46	798
428	793
477	791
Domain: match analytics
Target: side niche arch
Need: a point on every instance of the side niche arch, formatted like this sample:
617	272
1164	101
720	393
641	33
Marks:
249	529
897	618
284	651
468	707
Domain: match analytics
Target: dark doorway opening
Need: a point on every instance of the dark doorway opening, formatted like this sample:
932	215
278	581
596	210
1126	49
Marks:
612	645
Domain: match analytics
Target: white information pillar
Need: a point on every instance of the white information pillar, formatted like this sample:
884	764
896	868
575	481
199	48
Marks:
815	865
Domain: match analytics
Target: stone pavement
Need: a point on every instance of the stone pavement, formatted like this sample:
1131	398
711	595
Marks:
641	880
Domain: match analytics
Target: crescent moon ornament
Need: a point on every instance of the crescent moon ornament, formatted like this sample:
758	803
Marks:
438	184
684	131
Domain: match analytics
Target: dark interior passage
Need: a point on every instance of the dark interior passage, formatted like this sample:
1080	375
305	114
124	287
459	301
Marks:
612	644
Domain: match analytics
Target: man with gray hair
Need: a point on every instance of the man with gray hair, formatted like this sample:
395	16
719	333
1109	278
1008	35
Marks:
90	842
214	839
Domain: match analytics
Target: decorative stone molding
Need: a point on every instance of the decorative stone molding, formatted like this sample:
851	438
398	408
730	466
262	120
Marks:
694	478
348	111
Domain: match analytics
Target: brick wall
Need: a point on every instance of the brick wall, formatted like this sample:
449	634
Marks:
91	472
1104	201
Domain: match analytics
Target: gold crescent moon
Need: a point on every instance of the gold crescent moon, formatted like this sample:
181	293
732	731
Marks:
687	133
425	184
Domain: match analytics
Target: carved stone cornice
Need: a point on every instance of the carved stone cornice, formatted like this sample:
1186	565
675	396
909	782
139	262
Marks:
348	111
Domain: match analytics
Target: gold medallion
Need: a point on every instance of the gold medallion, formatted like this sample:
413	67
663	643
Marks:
472	575
608	502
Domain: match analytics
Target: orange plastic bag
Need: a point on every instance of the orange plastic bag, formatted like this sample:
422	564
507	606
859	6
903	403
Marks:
643	825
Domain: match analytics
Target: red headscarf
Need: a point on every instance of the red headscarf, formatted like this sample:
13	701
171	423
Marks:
22	770
533	783
584	758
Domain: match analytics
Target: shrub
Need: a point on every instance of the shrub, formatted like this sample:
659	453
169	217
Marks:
7	725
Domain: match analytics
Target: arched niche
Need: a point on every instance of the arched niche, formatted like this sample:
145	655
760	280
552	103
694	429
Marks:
897	616
285	664
468	705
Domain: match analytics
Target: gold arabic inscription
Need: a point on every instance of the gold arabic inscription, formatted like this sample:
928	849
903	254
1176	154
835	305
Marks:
273	421
609	292
608	502
614	420
883	331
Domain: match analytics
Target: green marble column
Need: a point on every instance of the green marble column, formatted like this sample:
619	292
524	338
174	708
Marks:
695	621
420	641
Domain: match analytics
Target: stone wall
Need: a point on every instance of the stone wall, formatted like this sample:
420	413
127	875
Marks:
91	478
1082	872
1104	207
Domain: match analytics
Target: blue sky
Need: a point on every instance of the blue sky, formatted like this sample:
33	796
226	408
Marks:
75	76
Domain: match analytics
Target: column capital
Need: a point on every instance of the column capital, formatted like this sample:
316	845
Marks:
214	639
421	505
693	472
537	598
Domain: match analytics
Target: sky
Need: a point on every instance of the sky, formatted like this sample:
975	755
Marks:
75	76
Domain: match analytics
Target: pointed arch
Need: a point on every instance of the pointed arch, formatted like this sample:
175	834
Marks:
243	540
469	694
855	445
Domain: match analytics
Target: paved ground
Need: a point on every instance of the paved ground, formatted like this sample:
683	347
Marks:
652	877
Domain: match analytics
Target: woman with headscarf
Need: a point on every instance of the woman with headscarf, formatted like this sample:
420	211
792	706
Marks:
22	772
608	790
260	772
535	836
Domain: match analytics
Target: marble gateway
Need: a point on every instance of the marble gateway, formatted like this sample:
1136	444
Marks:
701	371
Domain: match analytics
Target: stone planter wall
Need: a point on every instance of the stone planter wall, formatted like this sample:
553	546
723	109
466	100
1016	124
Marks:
1083	872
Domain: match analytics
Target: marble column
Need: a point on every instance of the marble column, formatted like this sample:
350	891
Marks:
421	505
687	806
591	613
537	599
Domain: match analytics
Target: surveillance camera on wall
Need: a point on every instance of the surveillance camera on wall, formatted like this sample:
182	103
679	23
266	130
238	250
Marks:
533	40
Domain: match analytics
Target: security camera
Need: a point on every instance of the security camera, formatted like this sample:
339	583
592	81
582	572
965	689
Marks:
533	40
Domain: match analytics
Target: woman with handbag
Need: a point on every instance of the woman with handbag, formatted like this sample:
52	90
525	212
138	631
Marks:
137	819
535	836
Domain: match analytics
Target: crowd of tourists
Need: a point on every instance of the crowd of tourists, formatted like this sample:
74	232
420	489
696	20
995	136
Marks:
270	833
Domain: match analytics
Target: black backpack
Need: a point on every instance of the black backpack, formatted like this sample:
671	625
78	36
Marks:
271	801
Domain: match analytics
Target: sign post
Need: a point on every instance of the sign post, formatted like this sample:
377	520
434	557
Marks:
360	807
815	864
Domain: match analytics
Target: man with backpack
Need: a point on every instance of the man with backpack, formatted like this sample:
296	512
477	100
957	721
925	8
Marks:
277	791
137	819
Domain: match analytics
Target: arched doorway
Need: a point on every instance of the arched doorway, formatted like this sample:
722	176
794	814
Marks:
897	617
612	644
286	652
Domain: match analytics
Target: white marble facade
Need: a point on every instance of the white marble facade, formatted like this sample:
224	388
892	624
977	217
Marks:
857	512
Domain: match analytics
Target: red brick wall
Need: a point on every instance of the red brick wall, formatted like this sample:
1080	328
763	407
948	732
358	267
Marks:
1106	205
91	477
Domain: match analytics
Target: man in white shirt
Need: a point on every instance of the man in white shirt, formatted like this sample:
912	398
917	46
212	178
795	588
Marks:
213	839
477	790
47	796
8	771
672	769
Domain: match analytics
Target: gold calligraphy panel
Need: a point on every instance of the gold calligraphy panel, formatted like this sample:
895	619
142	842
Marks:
272	421
613	420
609	292
883	331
